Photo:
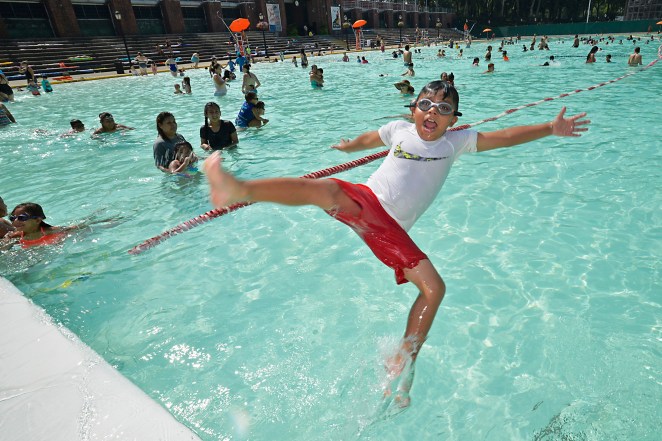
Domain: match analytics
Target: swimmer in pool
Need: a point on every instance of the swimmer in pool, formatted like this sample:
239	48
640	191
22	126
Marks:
635	58
420	158
30	229
6	118
77	126
247	116
316	79
5	225
108	124
404	87
183	157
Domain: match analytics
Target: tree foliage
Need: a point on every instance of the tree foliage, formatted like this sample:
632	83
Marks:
523	11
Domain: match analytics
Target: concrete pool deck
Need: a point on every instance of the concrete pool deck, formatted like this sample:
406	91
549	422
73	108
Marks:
54	387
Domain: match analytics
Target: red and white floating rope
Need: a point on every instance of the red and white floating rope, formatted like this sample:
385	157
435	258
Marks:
218	212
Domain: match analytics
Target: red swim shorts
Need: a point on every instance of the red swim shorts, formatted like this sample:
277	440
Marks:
383	235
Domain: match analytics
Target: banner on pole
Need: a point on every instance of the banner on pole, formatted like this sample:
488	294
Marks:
336	23
273	15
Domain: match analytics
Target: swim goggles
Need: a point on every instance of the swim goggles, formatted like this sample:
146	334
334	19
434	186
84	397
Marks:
443	108
22	217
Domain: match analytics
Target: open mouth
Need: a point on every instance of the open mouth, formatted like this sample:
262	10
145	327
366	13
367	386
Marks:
429	125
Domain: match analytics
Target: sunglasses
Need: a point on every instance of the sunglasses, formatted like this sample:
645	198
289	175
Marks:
22	217
443	108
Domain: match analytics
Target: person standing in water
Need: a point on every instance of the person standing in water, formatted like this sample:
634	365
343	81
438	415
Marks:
217	134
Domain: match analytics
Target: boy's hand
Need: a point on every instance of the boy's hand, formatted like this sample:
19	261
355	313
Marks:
568	126
341	145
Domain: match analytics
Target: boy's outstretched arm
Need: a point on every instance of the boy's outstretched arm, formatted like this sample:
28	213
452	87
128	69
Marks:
560	126
367	140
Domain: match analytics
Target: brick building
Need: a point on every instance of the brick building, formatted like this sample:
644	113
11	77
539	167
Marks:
80	18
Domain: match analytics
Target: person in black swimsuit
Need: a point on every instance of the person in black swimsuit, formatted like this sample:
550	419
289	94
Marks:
6	92
27	70
216	134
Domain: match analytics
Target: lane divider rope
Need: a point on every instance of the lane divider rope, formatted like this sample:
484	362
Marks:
218	212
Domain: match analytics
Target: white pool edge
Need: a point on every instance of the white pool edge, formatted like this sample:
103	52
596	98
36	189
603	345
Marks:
54	387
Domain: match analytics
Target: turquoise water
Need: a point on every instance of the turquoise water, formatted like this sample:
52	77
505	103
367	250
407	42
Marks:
271	322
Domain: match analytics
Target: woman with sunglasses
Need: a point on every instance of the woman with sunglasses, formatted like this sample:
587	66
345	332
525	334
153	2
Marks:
30	228
108	124
394	197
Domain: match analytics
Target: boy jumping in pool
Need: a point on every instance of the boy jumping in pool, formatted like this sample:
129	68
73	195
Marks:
402	188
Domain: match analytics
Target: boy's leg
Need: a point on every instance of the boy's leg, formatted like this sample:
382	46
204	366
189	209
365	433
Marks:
431	292
400	366
225	190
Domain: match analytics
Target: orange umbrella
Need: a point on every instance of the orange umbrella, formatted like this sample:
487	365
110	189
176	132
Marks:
239	25
359	23
487	30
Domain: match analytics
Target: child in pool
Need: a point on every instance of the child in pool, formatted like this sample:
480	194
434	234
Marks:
30	229
46	85
404	87
410	71
247	116
33	88
178	89
186	85
259	109
417	165
77	126
490	68
183	157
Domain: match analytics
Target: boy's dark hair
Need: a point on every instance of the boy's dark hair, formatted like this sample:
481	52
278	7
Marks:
250	96
75	123
259	105
434	87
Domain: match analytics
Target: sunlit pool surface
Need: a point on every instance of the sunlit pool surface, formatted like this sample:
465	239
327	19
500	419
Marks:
270	322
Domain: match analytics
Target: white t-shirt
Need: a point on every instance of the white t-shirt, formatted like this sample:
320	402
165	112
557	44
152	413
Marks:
414	171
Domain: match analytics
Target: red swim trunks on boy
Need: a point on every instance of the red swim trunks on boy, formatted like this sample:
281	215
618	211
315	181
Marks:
383	235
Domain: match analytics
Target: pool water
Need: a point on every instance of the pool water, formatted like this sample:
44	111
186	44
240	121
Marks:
271	322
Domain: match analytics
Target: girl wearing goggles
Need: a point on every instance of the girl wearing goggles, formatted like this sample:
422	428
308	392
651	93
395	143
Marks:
30	228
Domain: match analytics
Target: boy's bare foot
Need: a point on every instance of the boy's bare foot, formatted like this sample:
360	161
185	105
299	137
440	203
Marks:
224	189
400	374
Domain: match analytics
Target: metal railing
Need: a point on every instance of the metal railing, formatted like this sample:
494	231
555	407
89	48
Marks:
389	5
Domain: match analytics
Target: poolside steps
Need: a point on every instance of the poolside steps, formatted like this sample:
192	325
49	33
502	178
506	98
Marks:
53	57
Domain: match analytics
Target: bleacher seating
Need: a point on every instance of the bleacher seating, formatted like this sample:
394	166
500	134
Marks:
63	57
